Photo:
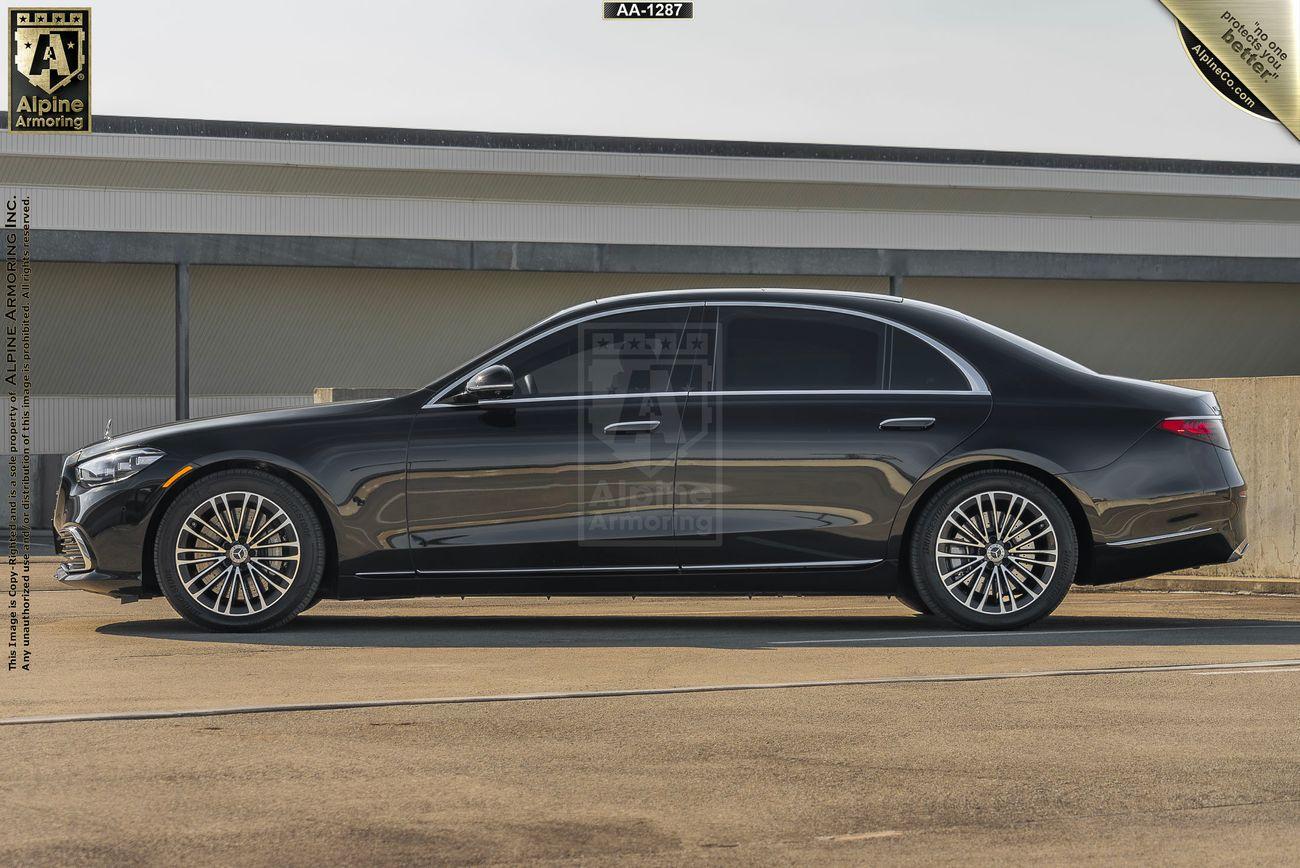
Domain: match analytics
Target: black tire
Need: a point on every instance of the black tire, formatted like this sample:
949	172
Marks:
985	612
908	596
256	490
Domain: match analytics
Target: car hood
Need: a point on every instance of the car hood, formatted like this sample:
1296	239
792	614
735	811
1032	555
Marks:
170	430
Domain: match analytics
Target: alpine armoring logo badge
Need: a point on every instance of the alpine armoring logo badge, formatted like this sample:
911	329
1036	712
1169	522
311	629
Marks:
49	81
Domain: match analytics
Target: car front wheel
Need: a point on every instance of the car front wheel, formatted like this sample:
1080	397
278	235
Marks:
239	550
994	549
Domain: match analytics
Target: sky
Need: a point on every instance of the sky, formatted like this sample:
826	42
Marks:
1096	77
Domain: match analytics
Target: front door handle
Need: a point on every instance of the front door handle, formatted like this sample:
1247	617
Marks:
632	427
907	423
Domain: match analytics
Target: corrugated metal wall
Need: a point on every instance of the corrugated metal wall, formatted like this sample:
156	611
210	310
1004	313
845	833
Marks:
103	329
108	330
63	423
1149	330
289	330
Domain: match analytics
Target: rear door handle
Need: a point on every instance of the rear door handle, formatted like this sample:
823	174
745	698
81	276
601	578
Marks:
906	423
632	427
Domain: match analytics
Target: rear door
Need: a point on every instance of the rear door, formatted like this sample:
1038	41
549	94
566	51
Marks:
814	424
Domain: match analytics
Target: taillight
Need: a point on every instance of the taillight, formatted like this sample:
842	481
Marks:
1205	429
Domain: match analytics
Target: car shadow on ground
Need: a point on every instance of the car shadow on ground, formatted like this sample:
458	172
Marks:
733	631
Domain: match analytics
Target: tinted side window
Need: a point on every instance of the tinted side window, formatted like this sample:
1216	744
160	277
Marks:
617	354
916	365
766	349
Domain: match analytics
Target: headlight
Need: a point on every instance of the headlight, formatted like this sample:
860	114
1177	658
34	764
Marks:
115	466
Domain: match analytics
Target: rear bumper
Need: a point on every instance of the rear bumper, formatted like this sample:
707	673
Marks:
1134	559
1170	503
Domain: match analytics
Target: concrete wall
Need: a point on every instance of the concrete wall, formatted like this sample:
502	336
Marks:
1263	419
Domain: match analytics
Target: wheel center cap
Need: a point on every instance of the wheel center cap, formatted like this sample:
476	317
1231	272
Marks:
995	553
238	553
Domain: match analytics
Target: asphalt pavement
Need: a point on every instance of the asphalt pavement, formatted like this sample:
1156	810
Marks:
1128	728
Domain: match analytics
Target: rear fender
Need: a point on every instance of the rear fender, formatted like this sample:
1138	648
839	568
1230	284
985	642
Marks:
1076	500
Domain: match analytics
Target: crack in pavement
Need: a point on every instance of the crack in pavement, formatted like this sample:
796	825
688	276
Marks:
96	717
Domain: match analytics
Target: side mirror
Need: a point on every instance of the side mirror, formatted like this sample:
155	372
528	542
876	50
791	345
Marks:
494	381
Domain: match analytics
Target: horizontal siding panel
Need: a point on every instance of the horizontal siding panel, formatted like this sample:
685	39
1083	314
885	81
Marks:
146	211
687	166
179	176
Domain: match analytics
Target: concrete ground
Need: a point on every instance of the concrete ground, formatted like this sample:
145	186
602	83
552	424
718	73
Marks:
1130	727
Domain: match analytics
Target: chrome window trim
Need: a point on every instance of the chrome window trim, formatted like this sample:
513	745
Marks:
973	377
797	392
979	386
621	396
737	290
1163	537
737	393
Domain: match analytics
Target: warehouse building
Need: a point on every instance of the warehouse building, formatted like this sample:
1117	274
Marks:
189	267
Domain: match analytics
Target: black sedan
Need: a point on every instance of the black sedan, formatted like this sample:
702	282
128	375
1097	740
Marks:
691	442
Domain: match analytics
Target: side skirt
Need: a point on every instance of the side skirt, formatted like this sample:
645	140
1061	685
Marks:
867	578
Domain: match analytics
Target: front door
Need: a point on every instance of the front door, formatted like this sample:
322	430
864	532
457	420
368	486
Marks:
816	425
573	472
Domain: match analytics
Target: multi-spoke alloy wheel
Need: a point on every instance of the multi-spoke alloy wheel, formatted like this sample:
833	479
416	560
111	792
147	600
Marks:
994	549
237	553
996	552
240	550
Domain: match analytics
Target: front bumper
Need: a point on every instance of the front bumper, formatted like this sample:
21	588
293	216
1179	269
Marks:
128	589
102	531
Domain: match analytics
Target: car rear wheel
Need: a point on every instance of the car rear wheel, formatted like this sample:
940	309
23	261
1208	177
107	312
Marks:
908	596
239	550
994	549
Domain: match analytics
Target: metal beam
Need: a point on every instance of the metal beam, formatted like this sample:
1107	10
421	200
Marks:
67	245
182	340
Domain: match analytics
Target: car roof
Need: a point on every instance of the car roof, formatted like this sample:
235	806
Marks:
756	293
